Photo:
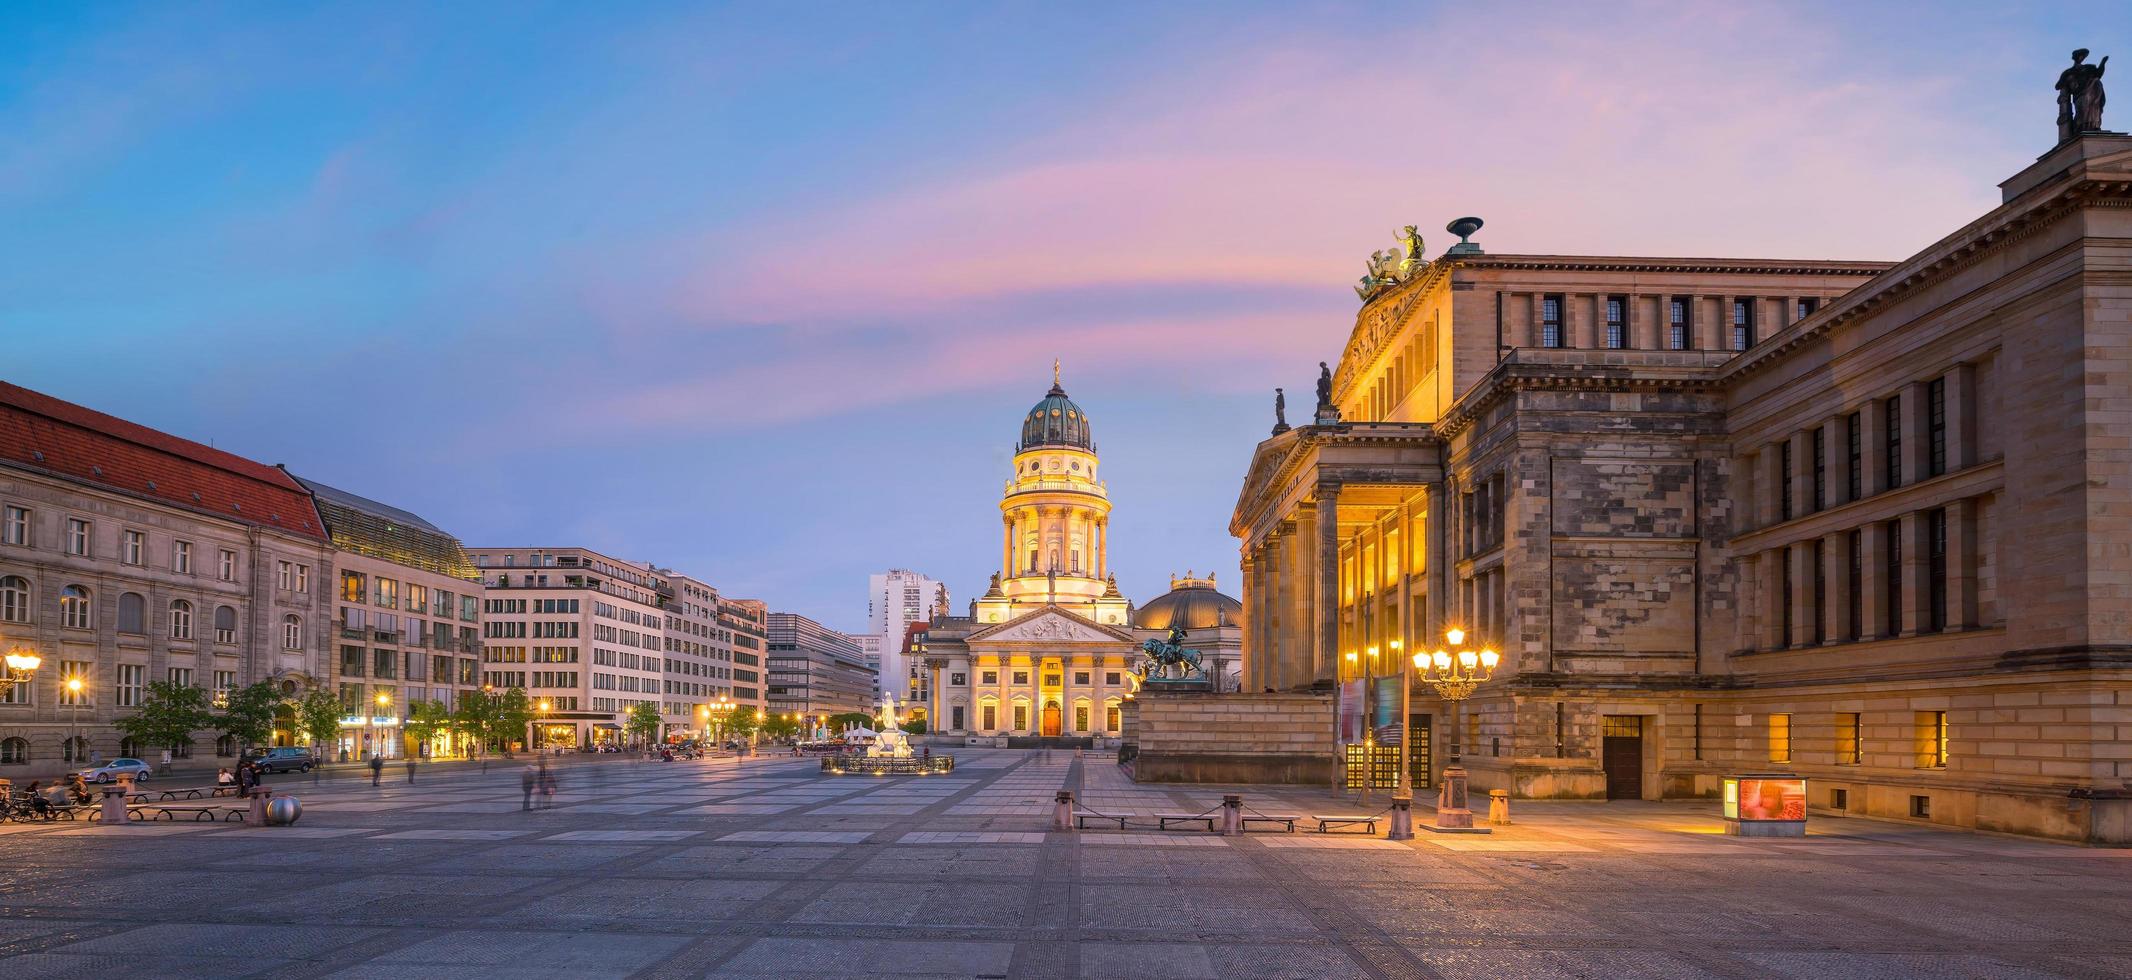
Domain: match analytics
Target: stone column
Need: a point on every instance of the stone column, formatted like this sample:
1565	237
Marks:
1535	334
1832	461
1577	314
1300	640
1872	582
1872	451
1917	441
1802	594
1961	418
1802	473
1961	551
1708	316
1837	609
1913	568
1325	618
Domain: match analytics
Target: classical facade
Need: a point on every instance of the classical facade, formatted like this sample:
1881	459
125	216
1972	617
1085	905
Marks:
129	556
1051	649
1859	521
407	623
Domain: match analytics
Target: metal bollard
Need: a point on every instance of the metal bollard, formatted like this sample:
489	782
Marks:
1232	815
1402	817
1062	812
258	816
1499	806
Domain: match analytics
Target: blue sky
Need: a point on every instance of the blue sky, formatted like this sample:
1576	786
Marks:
760	291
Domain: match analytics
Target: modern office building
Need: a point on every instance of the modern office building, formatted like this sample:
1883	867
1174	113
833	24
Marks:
894	600
583	633
815	670
407	623
698	667
746	638
129	555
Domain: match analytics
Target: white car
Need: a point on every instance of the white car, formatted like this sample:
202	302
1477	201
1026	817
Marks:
110	771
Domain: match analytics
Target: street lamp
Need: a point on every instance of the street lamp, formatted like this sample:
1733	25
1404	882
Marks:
1454	672
540	734
377	742
74	691
21	663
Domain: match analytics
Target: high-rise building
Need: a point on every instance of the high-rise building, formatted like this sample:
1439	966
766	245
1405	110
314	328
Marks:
815	670
894	600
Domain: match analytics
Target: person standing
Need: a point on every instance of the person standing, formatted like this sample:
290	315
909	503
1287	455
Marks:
377	768
525	785
410	769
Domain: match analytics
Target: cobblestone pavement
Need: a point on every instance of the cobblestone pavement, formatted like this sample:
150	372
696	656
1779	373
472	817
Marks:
766	868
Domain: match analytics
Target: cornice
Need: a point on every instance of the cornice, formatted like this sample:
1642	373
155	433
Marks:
1631	263
1512	375
1381	317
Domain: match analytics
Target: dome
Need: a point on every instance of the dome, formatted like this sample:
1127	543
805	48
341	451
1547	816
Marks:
1056	421
1190	604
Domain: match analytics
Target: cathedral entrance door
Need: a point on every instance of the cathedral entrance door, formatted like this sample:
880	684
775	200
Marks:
1051	719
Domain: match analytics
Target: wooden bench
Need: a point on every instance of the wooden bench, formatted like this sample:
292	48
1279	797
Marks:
1164	820
189	793
1082	817
1286	820
1328	821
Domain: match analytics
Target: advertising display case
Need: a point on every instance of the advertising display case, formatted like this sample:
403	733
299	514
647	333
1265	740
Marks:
1770	804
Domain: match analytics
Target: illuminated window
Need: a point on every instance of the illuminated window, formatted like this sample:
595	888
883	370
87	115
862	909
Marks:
1780	738
1021	717
1932	740
1848	750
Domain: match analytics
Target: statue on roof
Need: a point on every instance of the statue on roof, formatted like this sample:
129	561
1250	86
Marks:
1410	236
1280	411
2080	96
1325	386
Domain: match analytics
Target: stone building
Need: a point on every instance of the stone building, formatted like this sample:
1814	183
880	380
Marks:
128	556
407	625
583	633
1859	521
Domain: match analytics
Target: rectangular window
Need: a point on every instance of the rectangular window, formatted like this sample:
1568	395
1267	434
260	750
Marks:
990	714
1679	325
1021	677
1784	480
284	575
1892	574
1806	308
1936	570
417	598
131	547
226	565
989	677
15	526
1780	738
352	661
1853	454
181	557
384	663
181	676
1818	628
957	679
1784	597
1113	718
1932	740
77	536
1852	628
388	592
1551	321
132	678
1021	717
1893	436
1080	677
1617	322
1697	741
1080	717
352	586
1819	443
1936	426
1848	751
1111	677
1742	324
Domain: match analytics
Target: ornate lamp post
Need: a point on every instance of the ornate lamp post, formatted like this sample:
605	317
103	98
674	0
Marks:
1453	671
22	663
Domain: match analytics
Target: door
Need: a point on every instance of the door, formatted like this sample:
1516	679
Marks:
1051	719
1418	752
1621	754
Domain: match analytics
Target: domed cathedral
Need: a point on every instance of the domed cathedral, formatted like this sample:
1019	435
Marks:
1048	652
1211	622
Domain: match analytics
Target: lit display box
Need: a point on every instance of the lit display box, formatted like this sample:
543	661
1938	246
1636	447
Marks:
1765	805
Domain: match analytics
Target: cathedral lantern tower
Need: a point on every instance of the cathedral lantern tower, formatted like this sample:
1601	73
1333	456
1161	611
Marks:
1055	521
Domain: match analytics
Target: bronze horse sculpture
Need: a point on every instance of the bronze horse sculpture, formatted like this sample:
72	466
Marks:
1162	655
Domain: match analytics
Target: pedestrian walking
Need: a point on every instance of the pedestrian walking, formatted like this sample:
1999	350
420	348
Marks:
525	784
547	788
410	769
377	768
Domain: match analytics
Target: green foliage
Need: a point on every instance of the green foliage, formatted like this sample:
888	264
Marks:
913	727
514	713
168	715
425	721
478	718
318	717
738	724
779	726
839	722
249	715
643	721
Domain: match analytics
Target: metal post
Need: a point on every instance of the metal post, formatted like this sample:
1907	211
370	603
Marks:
1062	812
1232	815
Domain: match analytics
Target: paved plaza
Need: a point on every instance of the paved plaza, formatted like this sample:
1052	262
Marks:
766	868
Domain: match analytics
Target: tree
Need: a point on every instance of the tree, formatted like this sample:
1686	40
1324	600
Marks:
168	715
425	720
476	718
779	726
644	722
318	716
514	712
848	719
738	724
916	727
248	716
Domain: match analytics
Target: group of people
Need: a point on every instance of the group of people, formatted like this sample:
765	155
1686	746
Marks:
243	777
39	796
538	778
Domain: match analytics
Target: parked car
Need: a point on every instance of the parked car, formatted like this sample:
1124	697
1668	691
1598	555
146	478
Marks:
285	759
110	771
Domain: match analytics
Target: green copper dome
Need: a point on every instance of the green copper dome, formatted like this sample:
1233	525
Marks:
1056	421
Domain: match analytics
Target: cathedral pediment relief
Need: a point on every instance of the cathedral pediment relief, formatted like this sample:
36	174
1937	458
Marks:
1049	626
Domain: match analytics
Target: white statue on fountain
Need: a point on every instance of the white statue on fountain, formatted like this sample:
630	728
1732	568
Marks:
892	743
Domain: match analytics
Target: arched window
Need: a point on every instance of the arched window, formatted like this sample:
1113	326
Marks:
132	613
128	748
226	745
75	749
225	624
292	632
181	620
181	749
14	751
74	609
14	599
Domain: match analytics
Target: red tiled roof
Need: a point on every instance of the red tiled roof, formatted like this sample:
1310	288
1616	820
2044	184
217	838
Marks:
40	432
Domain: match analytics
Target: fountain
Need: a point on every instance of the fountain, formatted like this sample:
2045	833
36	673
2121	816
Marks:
890	754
